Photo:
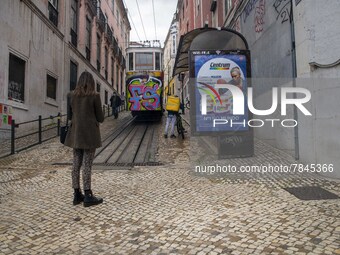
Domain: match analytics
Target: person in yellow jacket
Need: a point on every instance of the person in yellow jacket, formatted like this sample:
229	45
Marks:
172	108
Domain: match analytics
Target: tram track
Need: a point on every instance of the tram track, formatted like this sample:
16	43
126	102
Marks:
130	144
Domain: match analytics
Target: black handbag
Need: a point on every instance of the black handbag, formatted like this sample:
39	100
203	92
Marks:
63	132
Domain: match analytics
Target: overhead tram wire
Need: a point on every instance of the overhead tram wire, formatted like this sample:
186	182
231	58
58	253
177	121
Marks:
154	18
132	21
134	27
141	20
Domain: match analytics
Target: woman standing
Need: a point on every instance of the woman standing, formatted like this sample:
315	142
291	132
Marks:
85	112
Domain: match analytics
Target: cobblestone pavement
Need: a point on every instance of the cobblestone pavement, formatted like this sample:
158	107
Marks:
166	209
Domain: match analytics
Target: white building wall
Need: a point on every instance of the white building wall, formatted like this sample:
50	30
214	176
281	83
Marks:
28	37
318	68
27	32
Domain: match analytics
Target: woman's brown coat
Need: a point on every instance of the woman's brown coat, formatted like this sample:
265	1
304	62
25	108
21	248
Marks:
85	113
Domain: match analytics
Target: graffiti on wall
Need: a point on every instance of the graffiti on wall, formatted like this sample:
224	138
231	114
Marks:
5	116
232	140
248	9
260	11
143	93
283	9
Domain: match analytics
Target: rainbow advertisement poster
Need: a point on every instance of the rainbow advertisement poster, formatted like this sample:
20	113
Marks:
214	102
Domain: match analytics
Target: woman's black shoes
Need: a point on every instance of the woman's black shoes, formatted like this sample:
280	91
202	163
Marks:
90	199
78	197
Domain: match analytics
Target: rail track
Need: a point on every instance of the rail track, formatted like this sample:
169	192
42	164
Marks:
130	144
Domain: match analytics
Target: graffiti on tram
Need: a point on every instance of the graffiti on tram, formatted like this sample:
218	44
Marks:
144	92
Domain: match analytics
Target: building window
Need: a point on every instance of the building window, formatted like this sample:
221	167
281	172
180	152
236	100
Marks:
98	87
106	96
113	6
74	22
158	61
121	82
198	5
106	62
227	5
112	70
16	78
130	61
73	75
88	39
51	90
98	52
143	61
53	11
117	76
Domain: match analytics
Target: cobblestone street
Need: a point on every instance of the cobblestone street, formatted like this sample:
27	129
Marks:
165	209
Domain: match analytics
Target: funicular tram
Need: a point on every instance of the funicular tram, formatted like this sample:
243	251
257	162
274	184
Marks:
144	81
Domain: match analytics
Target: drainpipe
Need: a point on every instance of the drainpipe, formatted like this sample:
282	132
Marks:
294	74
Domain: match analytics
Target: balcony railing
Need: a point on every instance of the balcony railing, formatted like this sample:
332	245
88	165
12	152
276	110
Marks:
101	20
52	14
92	5
109	33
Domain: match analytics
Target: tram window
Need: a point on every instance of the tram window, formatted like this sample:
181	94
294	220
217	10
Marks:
144	61
130	61
158	61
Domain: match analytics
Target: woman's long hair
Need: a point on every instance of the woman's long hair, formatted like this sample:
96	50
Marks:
85	85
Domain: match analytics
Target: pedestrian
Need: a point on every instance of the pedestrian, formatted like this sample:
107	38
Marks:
172	108
115	101
85	112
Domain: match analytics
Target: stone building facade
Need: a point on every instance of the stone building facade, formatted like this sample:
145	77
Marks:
46	44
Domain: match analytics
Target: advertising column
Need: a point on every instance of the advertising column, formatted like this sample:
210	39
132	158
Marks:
220	100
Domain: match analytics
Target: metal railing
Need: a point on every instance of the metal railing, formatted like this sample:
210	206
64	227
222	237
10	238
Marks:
107	109
109	33
40	130
101	19
43	133
92	5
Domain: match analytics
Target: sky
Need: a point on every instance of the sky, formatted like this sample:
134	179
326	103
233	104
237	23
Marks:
164	12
